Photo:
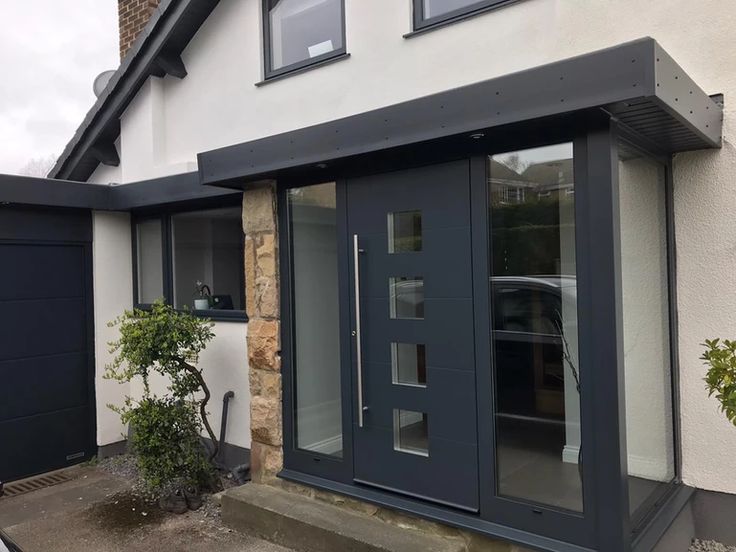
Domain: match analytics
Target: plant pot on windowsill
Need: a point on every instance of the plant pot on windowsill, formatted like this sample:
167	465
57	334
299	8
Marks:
202	304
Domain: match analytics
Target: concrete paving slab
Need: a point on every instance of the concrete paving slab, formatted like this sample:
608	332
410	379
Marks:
97	512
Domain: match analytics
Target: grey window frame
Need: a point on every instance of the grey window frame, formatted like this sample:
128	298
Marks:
480	6
167	258
300	66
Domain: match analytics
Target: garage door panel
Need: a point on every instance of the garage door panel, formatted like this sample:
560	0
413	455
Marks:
41	271
42	443
42	327
43	384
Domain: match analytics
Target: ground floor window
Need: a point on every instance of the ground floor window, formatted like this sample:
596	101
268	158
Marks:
192	260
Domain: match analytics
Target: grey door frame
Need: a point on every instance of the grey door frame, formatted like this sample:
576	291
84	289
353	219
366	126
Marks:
605	524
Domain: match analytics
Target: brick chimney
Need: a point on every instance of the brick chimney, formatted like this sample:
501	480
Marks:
133	15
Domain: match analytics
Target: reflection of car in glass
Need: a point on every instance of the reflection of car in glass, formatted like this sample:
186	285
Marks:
7	544
531	314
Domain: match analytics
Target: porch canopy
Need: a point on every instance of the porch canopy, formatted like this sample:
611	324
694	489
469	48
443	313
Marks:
636	83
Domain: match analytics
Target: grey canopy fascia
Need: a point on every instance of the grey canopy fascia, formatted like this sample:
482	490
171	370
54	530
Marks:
637	83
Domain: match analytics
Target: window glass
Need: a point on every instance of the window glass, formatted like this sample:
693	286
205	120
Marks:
316	342
150	253
535	326
650	439
411	432
404	231
409	364
435	8
303	29
207	259
406	297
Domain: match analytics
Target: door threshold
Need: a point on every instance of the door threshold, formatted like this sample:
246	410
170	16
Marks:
432	512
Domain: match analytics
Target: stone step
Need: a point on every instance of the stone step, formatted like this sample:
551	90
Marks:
310	525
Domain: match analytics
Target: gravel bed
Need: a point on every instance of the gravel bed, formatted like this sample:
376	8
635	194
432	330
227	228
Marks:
710	546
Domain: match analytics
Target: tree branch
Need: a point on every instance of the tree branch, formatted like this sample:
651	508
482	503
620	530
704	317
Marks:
196	374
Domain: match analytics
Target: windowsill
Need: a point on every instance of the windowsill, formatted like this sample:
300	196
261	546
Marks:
212	314
303	69
427	27
222	315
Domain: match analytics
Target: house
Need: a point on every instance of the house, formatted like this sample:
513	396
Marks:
483	241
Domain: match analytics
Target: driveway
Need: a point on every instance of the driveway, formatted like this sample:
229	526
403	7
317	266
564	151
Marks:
97	512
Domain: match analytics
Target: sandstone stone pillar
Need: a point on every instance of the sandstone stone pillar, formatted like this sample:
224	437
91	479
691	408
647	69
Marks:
260	225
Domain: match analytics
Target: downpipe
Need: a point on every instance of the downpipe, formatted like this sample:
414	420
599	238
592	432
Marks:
240	473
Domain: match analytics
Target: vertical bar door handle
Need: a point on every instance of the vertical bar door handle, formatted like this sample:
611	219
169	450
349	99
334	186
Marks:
358	350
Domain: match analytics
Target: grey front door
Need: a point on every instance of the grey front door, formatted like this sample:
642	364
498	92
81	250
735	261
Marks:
415	428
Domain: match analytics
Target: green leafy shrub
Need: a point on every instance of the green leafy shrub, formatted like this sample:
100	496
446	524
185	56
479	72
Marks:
720	380
165	430
166	442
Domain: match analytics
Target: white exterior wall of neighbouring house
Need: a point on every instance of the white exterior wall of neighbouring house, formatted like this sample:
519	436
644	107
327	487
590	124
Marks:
218	104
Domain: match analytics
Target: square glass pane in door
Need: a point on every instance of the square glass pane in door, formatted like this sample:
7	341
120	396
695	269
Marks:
404	231
408	364
406	296
411	433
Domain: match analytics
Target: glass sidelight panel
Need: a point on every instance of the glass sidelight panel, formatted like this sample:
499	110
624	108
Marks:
406	295
408	364
404	231
316	346
535	335
411	433
650	439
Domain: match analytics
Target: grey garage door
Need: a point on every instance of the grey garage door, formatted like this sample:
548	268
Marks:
46	341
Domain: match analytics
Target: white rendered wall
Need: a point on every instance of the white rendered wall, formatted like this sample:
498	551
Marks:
218	104
113	293
224	362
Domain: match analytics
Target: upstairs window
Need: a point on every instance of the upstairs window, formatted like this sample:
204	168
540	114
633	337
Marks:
299	33
428	13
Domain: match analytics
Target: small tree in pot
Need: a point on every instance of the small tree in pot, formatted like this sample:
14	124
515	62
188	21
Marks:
720	380
166	430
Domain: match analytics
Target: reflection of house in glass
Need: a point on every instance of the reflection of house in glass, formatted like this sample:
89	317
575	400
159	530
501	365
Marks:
512	182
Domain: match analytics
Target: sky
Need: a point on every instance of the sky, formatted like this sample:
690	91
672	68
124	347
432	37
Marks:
50	53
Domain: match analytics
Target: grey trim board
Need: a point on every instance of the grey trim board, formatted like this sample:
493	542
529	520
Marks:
637	83
157	192
112	449
232	455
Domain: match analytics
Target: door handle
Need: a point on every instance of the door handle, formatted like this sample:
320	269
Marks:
358	349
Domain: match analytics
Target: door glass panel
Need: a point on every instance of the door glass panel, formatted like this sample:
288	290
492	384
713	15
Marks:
408	364
535	331
407	297
650	437
404	231
313	222
411	432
